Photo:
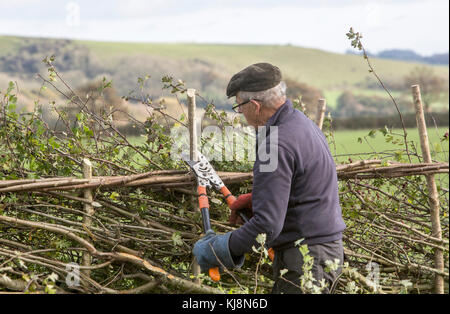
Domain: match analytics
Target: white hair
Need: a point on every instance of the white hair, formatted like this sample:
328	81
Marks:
269	97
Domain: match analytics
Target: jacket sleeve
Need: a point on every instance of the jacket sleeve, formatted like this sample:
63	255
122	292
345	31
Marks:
270	197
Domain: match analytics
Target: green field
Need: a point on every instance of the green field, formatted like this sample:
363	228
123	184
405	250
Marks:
346	144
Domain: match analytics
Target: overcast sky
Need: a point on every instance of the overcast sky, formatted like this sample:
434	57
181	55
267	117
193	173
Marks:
420	25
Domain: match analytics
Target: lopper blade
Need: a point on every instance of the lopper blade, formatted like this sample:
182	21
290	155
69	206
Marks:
205	173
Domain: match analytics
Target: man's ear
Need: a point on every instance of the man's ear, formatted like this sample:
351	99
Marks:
257	105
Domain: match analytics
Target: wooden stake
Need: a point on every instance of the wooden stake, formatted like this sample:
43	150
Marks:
321	112
192	124
432	190
193	156
89	210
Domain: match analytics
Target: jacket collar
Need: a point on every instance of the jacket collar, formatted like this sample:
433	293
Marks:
284	111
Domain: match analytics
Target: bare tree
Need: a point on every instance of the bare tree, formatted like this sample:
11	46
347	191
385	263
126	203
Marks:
432	86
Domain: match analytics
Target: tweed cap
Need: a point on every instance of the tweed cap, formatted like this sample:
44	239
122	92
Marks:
254	78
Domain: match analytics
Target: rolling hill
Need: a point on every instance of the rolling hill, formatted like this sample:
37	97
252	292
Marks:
205	67
319	68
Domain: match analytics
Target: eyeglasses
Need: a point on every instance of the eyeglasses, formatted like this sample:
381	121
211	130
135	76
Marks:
241	104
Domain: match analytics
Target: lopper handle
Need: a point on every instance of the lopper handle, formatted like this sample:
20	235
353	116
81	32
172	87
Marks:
228	196
214	274
204	208
202	197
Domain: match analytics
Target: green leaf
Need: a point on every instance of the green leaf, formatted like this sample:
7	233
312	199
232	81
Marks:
372	133
176	238
398	155
114	195
297	243
50	289
10	87
304	249
384	130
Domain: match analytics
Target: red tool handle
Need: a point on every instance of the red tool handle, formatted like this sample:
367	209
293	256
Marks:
202	198
204	207
228	196
214	273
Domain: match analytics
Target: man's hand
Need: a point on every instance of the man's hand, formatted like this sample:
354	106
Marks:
243	203
211	245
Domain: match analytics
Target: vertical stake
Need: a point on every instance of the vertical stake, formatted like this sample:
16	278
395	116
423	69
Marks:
193	156
320	112
432	190
89	211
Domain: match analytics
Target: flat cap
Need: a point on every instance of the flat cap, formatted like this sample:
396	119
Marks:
254	78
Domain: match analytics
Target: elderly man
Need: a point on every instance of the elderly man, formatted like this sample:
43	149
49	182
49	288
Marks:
296	200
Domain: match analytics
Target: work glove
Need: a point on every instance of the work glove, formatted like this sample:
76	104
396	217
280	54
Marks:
203	251
244	204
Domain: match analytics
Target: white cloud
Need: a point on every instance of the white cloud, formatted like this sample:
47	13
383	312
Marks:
142	8
372	14
419	25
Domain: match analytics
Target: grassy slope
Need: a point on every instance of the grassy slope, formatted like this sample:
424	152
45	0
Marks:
319	68
9	44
